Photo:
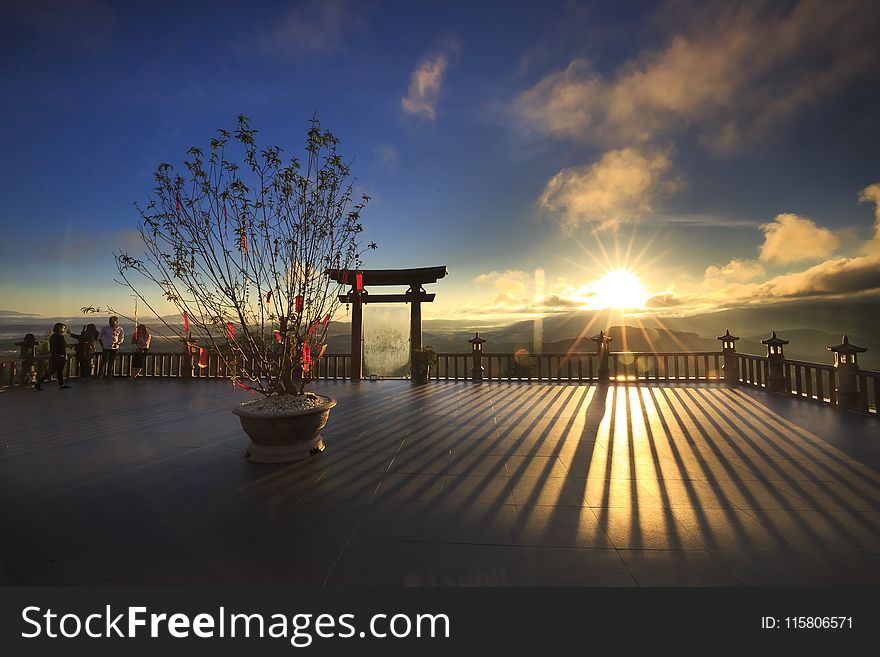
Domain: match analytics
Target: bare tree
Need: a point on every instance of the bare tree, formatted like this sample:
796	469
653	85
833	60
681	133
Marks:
240	246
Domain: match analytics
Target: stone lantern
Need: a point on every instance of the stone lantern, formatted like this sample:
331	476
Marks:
775	363
602	351
477	358
731	362
847	365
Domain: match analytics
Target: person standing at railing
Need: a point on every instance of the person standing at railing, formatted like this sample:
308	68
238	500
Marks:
85	349
27	374
111	338
141	340
57	357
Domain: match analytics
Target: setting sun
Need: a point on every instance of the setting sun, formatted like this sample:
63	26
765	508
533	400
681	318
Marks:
619	288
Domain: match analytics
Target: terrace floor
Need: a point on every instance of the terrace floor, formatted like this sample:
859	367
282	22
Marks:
448	484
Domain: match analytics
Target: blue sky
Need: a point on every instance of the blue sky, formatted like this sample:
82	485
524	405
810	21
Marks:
718	151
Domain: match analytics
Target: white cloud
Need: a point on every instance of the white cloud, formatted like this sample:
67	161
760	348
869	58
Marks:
735	270
314	26
733	71
620	187
511	281
790	238
424	87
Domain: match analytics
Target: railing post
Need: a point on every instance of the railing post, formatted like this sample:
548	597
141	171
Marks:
775	364
847	366
476	358
731	360
602	351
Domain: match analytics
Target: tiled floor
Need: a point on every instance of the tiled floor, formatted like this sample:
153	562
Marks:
449	484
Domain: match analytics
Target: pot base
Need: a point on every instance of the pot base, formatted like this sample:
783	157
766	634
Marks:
284	453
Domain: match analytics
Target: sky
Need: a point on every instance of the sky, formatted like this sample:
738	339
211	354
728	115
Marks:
671	157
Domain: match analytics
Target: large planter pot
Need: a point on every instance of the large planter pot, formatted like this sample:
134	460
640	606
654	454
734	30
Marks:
280	436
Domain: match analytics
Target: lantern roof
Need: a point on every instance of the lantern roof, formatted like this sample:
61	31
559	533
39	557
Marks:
477	339
773	341
846	348
727	336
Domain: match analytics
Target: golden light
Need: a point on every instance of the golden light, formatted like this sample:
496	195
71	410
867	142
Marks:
619	288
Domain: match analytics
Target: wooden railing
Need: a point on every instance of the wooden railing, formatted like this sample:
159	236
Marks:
583	367
162	365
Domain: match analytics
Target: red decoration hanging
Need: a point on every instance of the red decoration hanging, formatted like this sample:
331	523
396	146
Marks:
203	357
313	327
224	212
177	207
278	335
299	303
359	282
307	357
185	322
241	385
230	330
344	278
268	296
325	320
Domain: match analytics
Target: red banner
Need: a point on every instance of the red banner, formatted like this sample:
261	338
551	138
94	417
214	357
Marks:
230	330
278	335
299	303
359	282
185	322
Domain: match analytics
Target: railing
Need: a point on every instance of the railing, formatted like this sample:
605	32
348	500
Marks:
813	381
160	365
583	367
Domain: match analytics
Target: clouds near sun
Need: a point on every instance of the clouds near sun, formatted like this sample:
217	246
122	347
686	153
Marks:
790	238
620	187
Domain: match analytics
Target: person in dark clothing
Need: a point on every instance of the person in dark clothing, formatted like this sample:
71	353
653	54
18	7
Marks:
85	349
57	357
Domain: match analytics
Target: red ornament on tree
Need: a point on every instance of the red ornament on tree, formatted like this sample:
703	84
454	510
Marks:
203	357
299	303
278	335
359	282
185	322
230	330
344	278
268	296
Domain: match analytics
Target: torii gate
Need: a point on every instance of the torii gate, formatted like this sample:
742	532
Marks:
357	296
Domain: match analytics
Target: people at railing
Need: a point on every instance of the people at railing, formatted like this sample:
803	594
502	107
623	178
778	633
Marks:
141	340
86	345
111	338
57	357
